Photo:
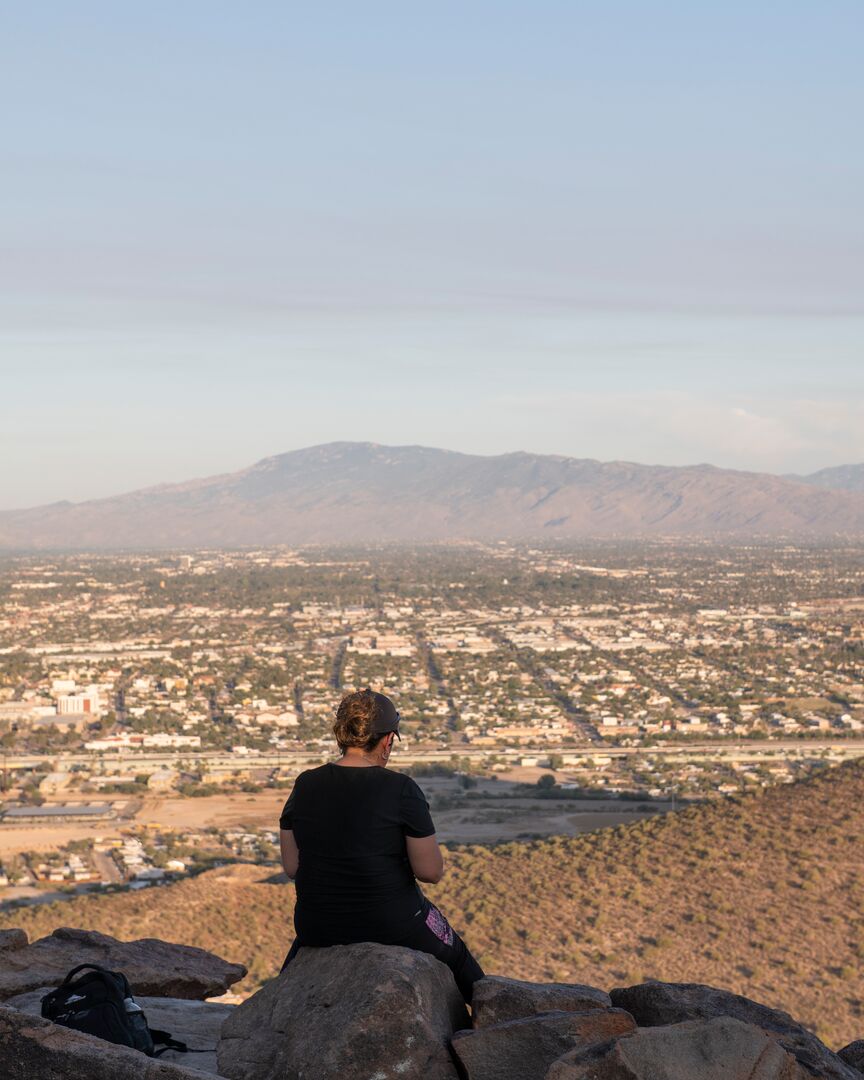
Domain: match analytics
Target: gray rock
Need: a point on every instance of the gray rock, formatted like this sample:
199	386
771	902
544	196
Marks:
12	939
152	967
497	999
352	1011
718	1049
524	1049
197	1023
853	1055
35	1049
659	1003
29	1002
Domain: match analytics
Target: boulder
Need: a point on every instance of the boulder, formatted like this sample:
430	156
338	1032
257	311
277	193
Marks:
658	1003
197	1023
718	1049
497	999
152	966
524	1049
853	1055
12	939
35	1049
352	1011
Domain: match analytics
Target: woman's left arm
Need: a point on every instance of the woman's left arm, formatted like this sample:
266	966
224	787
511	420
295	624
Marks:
425	858
290	852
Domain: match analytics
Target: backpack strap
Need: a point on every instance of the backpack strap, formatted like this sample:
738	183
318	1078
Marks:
115	977
164	1041
81	967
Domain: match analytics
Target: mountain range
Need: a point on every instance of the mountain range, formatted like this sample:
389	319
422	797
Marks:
840	477
347	492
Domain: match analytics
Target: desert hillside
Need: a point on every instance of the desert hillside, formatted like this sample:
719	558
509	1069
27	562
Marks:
763	896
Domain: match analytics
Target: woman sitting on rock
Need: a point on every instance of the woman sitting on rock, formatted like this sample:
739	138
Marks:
357	839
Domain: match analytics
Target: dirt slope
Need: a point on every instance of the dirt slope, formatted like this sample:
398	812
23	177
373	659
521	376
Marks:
763	896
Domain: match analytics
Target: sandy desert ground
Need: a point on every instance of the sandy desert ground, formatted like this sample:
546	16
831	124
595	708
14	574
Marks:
480	818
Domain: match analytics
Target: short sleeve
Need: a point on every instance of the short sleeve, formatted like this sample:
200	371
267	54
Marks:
414	811
286	818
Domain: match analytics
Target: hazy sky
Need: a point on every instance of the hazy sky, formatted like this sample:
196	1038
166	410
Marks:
613	229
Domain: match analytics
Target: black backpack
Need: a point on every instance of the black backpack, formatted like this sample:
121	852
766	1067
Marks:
100	1003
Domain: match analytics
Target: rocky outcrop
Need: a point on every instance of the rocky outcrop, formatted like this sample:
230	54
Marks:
372	1012
659	1003
353	1011
35	1049
718	1049
497	999
152	967
10	940
853	1055
524	1049
196	1023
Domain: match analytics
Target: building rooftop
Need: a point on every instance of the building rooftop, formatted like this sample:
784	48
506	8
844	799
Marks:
17	813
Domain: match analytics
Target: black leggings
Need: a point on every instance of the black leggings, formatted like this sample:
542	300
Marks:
432	934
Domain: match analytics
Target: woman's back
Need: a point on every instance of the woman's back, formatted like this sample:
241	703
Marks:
356	838
354	881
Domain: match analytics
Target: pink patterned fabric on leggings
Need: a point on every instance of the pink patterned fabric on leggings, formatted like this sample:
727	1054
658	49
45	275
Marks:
439	925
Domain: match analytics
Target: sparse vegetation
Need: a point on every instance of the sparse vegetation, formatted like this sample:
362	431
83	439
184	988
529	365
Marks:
712	894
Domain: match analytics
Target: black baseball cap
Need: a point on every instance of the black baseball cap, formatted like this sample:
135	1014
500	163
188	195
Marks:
386	718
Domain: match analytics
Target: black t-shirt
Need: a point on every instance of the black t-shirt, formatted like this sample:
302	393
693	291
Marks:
354	881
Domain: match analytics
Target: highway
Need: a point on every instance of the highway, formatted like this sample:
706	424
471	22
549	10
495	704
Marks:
218	761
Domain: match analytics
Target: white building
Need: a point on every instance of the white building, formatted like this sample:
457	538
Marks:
78	703
166	739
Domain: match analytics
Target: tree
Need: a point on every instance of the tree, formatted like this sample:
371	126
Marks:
546	782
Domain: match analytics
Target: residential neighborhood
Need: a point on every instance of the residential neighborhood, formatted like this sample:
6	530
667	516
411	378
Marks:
655	672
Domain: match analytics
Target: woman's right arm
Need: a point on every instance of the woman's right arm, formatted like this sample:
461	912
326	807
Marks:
290	853
287	844
425	857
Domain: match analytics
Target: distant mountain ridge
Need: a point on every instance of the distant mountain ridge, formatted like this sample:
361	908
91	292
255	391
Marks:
839	478
347	492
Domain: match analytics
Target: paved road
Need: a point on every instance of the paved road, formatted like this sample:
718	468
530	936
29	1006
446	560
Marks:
534	667
339	665
106	867
217	760
437	679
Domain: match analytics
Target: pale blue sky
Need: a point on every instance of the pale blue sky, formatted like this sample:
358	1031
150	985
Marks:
609	229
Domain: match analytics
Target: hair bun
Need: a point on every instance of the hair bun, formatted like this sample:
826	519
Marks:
354	721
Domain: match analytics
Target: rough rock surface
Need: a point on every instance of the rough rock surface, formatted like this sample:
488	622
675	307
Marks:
524	1049
12	939
152	967
853	1055
497	999
657	1003
35	1049
352	1011
197	1023
718	1049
